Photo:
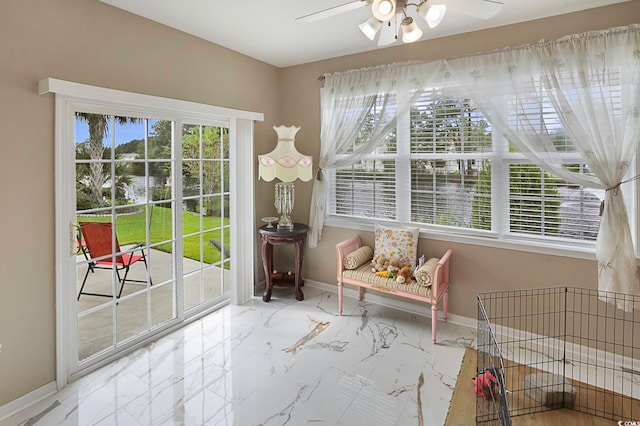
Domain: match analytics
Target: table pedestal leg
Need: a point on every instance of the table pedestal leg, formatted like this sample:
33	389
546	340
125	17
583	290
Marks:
267	253
299	255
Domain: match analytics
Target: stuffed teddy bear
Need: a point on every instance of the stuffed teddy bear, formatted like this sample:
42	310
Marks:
394	266
404	275
379	264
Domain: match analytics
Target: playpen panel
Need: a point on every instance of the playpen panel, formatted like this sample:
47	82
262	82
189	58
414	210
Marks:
583	350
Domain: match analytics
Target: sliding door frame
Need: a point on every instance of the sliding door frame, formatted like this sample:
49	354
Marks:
241	130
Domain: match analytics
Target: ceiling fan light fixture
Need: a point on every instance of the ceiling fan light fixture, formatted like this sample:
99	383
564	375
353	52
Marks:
370	28
410	31
432	13
383	10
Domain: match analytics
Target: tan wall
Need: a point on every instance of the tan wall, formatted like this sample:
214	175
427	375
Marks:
474	268
87	42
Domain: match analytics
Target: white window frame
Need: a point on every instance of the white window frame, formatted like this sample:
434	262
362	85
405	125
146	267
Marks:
241	129
499	236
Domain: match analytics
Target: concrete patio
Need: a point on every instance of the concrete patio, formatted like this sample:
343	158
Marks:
140	308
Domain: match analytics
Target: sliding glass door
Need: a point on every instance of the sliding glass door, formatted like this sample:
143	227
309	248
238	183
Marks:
151	227
145	190
206	224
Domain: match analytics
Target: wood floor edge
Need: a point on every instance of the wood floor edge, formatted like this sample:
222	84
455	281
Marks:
462	408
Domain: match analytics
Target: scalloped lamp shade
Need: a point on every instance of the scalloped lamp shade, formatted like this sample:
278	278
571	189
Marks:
288	165
285	162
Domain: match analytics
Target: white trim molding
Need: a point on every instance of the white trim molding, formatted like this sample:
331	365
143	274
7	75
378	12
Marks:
27	400
104	95
243	234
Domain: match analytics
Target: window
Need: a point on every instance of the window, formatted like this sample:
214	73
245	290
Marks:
450	152
462	178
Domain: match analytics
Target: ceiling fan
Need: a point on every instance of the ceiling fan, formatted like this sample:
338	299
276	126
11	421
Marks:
387	13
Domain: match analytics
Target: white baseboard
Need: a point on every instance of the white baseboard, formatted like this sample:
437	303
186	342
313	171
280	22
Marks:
401	305
27	400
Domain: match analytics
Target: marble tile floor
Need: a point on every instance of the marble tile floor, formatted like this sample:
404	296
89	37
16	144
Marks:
279	363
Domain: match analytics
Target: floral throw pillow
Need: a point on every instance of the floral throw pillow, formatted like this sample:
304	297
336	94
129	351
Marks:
397	242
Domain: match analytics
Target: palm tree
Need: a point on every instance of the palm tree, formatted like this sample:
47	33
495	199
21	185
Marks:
98	125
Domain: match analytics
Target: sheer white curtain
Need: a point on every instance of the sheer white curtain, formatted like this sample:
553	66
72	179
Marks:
348	99
592	83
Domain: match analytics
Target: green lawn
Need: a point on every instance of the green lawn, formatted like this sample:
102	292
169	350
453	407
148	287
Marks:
131	230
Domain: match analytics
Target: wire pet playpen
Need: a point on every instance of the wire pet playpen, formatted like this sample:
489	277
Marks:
544	349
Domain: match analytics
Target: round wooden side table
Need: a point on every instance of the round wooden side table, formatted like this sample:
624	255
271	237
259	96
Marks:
274	236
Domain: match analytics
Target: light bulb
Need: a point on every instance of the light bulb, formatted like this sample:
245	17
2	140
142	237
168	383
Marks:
385	7
383	10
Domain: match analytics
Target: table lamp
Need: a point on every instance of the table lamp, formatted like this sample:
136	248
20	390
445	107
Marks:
288	165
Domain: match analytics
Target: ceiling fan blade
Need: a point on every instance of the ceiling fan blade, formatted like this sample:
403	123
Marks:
389	31
332	11
483	9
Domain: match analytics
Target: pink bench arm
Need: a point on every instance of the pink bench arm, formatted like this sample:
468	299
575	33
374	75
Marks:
344	248
441	275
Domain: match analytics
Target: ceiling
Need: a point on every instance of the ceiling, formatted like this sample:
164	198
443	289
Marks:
267	30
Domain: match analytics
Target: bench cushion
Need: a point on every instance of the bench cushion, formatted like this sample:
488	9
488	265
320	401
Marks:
364	274
358	257
424	274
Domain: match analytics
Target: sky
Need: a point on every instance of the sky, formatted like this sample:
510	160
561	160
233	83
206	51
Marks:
124	133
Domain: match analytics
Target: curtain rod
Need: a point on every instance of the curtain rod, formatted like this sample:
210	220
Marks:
564	39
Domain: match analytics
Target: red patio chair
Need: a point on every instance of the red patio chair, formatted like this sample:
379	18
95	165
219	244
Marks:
98	249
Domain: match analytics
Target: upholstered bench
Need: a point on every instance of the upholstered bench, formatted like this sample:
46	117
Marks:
431	284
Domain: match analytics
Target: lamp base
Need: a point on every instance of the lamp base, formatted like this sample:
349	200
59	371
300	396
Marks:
285	194
285	227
